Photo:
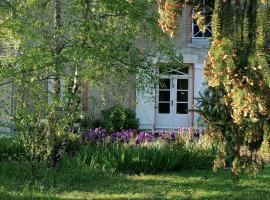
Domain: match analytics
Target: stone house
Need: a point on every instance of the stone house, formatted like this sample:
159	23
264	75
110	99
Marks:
170	105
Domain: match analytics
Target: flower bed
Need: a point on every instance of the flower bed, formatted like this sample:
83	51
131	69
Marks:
132	152
97	135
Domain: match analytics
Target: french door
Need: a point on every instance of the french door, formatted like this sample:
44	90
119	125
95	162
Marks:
174	102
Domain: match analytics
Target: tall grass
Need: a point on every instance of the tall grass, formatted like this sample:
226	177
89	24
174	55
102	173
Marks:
10	148
149	155
146	159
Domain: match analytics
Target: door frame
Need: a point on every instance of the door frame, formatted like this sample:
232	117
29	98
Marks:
190	77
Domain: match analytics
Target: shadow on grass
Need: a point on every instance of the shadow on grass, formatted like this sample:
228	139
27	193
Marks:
73	183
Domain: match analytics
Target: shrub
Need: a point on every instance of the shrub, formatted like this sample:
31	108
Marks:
89	122
119	118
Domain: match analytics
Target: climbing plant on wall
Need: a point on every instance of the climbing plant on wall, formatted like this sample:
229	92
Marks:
236	104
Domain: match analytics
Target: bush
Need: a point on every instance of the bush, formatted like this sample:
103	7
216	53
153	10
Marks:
119	118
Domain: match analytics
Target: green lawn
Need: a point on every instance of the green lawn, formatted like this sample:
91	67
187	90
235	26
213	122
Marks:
86	184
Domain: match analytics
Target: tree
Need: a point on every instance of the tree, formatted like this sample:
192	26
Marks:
237	70
58	44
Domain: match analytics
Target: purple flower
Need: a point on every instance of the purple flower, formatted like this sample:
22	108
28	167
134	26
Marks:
115	136
149	137
123	136
95	135
142	136
161	134
137	141
172	135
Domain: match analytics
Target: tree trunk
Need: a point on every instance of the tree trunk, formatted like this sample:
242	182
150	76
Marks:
57	46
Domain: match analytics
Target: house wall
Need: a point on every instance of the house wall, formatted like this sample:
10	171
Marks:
5	100
95	99
5	108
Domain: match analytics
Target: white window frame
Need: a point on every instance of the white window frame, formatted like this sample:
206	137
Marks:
203	38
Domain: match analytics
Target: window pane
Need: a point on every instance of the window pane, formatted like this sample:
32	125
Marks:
164	96
182	84
182	96
182	108
207	34
164	83
164	107
185	70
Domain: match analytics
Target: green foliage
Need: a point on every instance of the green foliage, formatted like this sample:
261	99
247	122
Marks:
151	159
72	143
53	46
119	118
11	148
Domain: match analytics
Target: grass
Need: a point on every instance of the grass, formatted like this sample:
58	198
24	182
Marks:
81	183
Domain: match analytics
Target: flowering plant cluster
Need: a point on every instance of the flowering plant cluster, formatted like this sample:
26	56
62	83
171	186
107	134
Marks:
123	136
131	137
95	135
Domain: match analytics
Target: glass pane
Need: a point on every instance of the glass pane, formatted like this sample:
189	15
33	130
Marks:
185	70
164	96
207	34
164	107
164	83
182	96
182	84
182	108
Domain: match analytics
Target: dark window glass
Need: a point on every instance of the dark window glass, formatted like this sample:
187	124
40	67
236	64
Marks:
164	107
182	96
206	9
182	108
207	34
182	84
164	96
184	70
197	32
164	83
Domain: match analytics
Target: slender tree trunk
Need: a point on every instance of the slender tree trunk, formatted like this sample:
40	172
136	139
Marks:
57	46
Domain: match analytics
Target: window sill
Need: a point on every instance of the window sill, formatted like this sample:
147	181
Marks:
201	43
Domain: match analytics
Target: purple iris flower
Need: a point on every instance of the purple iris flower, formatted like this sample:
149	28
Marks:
137	141
114	136
149	137
142	136
172	135
95	135
123	136
161	134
